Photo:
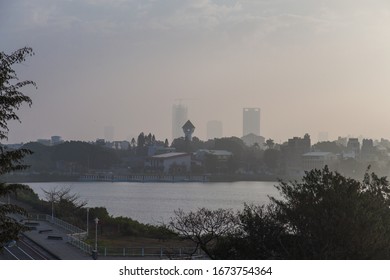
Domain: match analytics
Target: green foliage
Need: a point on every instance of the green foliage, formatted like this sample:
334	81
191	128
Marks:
11	99
270	144
85	154
75	156
328	146
206	228
257	236
324	216
334	217
232	144
272	159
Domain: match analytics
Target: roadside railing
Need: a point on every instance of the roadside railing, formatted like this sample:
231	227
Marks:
58	222
170	253
77	235
75	241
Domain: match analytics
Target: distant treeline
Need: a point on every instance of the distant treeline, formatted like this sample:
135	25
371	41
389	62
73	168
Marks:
69	157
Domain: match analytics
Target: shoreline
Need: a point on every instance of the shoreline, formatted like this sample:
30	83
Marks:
140	178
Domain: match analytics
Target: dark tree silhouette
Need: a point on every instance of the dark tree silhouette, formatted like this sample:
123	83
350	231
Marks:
11	99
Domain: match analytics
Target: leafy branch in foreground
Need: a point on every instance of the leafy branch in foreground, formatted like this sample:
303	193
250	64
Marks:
11	99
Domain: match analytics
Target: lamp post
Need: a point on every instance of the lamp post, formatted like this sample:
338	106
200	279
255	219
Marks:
87	222
52	210
96	224
95	252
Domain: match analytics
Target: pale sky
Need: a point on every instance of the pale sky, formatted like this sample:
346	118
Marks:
311	66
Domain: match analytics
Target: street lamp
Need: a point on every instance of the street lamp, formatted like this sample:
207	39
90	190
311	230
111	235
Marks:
96	223
52	210
87	222
95	253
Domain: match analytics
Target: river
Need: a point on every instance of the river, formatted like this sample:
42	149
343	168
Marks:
156	202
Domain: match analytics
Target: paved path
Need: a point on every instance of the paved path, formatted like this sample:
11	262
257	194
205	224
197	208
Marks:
58	248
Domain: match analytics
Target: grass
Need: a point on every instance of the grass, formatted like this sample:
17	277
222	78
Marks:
116	241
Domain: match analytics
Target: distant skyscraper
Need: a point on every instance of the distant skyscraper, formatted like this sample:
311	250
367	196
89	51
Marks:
353	145
179	118
214	129
251	121
109	133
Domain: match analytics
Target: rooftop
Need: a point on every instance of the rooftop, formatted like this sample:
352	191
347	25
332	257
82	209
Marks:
188	125
170	155
317	154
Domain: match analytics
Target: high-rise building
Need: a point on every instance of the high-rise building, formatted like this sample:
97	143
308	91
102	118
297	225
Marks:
353	146
109	133
214	129
179	118
251	121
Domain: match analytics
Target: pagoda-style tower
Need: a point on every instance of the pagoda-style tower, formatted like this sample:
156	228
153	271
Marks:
188	129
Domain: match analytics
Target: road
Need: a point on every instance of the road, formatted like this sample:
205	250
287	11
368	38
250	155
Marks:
25	249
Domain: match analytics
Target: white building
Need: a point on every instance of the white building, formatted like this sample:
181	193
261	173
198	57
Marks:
220	155
251	139
318	160
171	162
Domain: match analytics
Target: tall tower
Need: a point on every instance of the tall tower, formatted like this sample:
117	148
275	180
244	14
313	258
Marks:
251	121
188	129
179	117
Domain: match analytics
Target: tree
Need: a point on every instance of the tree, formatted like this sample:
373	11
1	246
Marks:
272	159
270	143
204	227
11	99
330	216
133	143
327	146
323	216
259	235
141	144
63	201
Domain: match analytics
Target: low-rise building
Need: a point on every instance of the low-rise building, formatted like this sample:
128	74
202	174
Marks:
221	155
251	139
318	160
212	160
170	163
158	150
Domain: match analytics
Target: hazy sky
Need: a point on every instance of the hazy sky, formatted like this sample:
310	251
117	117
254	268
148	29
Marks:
310	66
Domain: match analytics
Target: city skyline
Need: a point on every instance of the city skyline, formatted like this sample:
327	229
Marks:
310	67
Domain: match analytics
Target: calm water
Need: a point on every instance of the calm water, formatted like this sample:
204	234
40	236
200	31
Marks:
155	202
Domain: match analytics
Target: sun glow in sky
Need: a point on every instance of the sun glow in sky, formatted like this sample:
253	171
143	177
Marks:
311	66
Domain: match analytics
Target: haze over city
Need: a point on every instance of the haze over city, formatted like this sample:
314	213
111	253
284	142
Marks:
311	66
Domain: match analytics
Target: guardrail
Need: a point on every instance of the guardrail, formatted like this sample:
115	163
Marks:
144	178
80	244
58	222
170	253
77	235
